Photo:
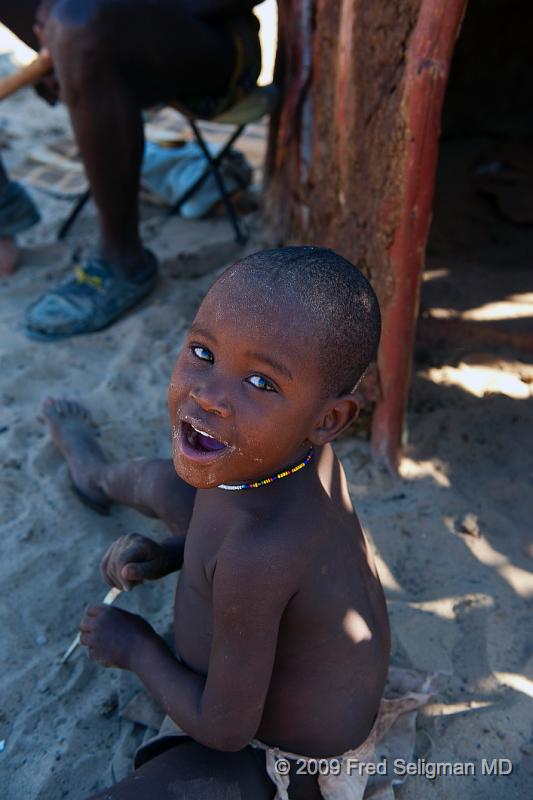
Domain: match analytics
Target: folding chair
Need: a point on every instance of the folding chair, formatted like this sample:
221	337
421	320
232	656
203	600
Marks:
261	101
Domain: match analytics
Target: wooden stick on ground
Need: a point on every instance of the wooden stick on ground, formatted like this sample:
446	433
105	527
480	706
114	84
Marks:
110	598
26	76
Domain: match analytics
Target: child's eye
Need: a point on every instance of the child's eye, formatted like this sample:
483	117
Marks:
203	353
261	383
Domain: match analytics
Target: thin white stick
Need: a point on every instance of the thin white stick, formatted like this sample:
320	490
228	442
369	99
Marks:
110	598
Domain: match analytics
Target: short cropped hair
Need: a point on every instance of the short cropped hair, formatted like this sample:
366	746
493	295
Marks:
332	292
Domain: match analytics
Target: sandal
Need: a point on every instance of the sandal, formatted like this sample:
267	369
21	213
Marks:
90	300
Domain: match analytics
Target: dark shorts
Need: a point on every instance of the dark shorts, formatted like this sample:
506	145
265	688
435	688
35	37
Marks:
244	31
170	736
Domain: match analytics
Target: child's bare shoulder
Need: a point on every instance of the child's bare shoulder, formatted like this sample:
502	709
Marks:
267	549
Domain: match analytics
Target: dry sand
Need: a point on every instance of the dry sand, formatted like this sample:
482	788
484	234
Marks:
452	533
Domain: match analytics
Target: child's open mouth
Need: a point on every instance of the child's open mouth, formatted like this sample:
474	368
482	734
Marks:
196	442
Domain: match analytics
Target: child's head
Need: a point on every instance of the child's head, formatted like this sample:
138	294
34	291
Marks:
269	364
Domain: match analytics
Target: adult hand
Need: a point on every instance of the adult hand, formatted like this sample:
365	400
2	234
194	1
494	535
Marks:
135	558
114	637
47	87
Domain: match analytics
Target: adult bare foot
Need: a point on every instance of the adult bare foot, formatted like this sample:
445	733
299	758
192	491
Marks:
8	255
70	427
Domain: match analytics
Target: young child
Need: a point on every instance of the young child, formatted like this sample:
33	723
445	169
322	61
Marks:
281	630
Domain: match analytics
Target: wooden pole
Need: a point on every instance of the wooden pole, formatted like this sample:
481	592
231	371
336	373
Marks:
353	152
429	57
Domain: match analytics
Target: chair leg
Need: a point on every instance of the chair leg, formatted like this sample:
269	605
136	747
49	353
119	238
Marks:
212	167
196	185
71	219
214	163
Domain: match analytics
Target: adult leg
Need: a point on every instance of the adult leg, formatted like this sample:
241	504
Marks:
151	486
190	771
111	58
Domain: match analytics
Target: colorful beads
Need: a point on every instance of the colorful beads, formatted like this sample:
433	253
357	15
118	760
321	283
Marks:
271	479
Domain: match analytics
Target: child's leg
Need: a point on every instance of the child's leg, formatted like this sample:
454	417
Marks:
149	485
190	771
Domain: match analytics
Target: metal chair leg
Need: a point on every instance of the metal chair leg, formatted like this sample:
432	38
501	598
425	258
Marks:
213	167
214	164
199	181
71	219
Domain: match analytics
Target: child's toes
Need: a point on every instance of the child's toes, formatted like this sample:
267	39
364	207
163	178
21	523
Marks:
82	412
46	404
60	406
71	408
76	409
47	410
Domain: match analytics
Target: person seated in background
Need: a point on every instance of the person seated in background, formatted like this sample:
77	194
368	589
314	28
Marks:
17	213
281	628
112	58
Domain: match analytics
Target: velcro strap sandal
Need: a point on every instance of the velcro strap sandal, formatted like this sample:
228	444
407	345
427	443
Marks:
89	300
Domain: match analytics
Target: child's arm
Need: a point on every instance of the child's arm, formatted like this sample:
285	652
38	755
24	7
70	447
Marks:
224	710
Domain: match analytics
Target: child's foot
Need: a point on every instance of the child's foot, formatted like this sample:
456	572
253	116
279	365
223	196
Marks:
70	427
8	255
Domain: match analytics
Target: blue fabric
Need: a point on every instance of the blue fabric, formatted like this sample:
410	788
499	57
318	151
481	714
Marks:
17	210
169	172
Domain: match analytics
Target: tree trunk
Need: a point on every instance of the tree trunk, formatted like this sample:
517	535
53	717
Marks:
353	150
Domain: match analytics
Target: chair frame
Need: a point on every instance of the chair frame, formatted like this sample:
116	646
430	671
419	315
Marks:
211	168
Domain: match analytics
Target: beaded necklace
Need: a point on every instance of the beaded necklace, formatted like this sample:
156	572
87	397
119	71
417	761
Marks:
265	481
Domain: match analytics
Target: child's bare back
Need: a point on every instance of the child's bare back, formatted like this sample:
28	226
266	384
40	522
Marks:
281	629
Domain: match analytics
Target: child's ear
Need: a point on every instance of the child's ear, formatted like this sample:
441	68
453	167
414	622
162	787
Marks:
335	417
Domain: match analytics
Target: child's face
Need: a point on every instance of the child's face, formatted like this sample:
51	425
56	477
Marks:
246	376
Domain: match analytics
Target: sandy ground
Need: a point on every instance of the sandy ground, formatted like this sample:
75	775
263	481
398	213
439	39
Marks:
452	533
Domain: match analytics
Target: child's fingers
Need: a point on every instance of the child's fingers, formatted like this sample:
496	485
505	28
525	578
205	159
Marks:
118	582
130	549
108	567
126	585
94	610
134	554
133	563
86	624
104	570
145	570
131	573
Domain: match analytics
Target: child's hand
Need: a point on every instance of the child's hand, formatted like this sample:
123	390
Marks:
132	559
114	637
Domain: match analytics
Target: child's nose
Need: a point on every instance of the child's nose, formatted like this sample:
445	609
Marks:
211	400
